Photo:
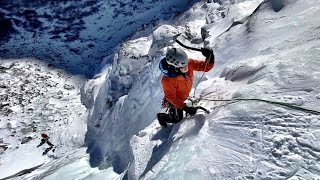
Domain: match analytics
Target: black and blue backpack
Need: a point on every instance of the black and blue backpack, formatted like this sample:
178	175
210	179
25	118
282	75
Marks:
167	69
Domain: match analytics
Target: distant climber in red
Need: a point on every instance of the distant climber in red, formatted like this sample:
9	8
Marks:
45	139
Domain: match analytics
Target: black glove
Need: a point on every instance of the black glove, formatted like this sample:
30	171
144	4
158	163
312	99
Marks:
208	53
190	110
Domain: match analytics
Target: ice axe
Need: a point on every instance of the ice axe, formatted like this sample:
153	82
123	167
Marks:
185	46
203	109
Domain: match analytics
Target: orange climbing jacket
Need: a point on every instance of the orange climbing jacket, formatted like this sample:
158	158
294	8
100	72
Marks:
177	88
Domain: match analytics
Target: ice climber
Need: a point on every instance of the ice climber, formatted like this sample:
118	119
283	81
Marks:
177	82
45	139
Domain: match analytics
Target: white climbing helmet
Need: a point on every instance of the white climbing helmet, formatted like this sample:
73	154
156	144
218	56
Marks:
177	57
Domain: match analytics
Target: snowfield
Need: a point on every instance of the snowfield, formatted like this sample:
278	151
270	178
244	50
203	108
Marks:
263	95
38	99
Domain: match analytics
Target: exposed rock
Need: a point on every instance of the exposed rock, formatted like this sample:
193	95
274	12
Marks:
26	139
6	27
60	92
3	147
26	130
68	87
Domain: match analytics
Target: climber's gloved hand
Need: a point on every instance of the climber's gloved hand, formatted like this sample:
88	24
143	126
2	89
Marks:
208	53
190	110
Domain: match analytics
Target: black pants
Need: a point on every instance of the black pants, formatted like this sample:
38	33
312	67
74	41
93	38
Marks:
45	141
175	115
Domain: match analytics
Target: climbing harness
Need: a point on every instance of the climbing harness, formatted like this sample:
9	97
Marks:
166	105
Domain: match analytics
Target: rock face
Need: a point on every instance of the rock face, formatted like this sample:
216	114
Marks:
26	139
6	27
75	35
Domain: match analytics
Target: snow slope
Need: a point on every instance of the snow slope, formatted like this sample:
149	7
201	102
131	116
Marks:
35	99
258	58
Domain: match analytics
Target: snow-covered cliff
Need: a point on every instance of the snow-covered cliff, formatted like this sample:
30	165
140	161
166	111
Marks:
267	50
257	56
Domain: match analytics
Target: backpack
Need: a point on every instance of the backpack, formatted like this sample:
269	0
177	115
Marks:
43	135
167	69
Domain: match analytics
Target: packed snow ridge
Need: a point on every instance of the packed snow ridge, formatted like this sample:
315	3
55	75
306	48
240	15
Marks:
266	50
